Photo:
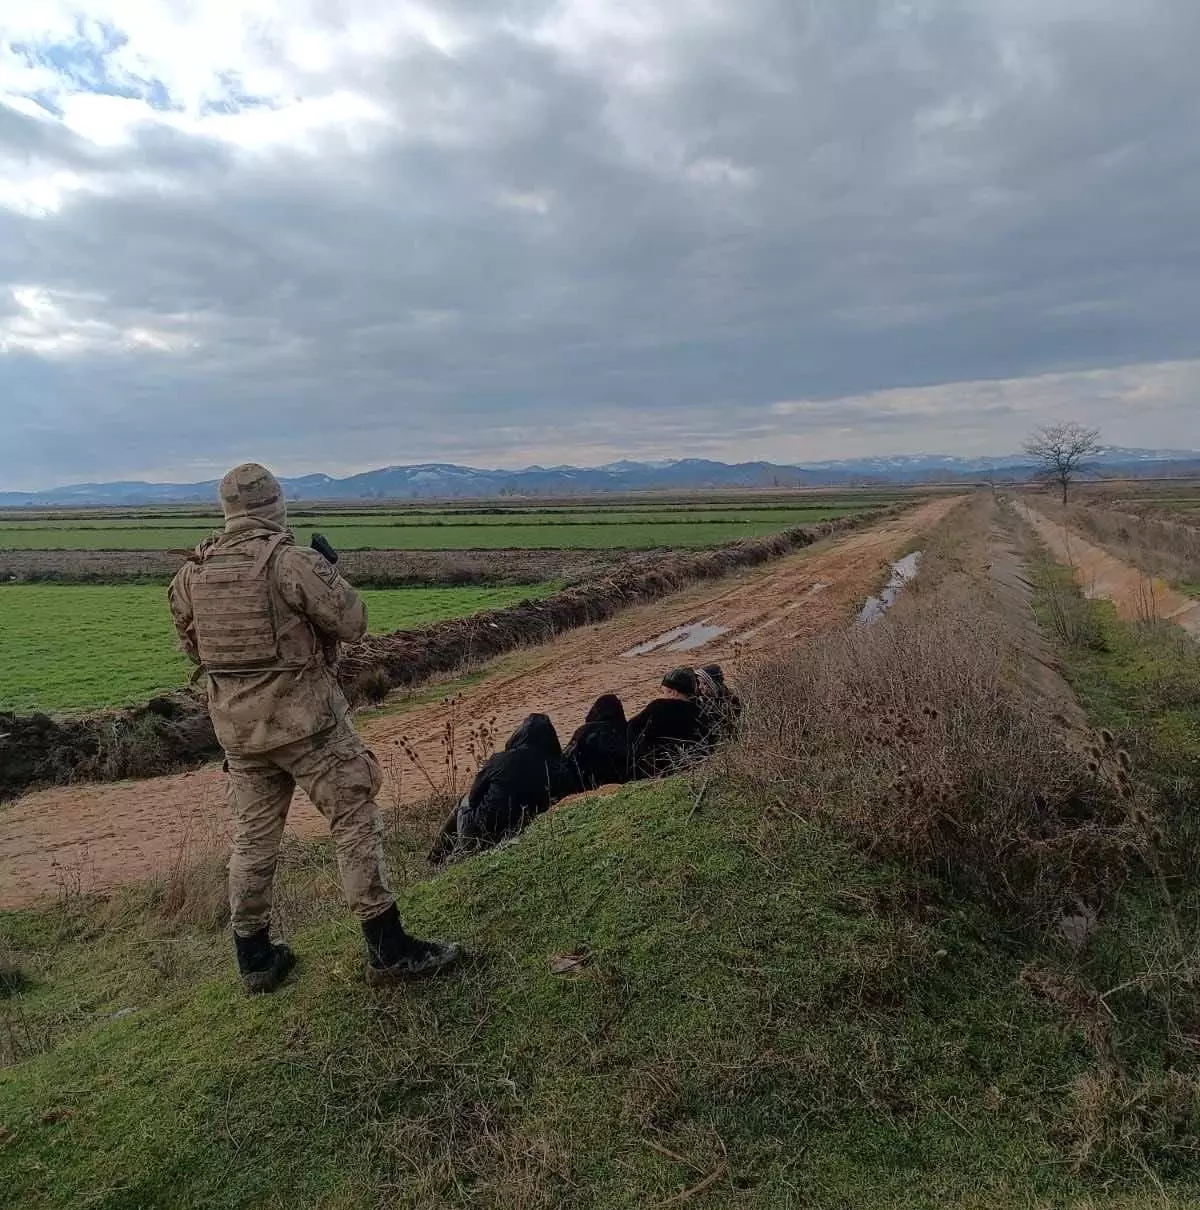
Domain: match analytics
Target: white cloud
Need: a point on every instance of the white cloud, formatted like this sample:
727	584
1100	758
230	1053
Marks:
256	73
57	326
1134	405
39	194
529	200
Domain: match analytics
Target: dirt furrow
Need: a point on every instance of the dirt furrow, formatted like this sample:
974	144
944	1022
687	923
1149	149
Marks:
93	837
1137	595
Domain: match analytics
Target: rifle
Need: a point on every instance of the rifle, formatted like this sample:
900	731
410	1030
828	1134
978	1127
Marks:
321	545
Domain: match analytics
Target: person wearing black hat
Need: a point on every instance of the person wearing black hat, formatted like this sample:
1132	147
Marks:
669	734
598	754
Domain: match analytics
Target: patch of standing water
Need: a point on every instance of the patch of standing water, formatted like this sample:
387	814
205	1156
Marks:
682	638
903	570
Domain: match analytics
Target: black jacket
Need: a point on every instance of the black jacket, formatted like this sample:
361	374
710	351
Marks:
598	754
514	785
668	735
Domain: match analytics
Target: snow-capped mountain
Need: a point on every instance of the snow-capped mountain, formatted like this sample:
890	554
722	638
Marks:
446	481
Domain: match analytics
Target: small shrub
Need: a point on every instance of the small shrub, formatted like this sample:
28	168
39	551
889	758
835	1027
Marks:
372	686
133	748
13	979
1069	615
462	570
194	892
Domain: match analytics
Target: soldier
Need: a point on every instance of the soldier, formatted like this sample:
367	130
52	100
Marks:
263	618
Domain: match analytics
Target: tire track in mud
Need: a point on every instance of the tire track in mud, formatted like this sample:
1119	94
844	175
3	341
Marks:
97	836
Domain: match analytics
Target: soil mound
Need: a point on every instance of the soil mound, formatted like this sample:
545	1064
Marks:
167	733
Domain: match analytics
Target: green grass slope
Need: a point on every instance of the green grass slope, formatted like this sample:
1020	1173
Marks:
762	1018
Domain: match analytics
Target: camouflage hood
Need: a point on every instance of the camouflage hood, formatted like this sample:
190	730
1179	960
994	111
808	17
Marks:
251	494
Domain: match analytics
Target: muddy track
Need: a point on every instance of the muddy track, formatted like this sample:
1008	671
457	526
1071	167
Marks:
1137	595
94	837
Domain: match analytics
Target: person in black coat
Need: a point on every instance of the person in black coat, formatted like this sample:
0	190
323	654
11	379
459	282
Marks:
598	754
510	789
671	732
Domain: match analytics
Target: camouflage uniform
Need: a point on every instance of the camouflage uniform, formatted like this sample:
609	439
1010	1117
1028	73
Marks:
264	617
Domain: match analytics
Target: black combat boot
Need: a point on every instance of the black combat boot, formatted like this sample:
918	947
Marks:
395	957
263	966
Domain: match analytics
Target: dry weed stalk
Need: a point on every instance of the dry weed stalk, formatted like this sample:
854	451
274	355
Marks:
1073	622
193	889
1146	600
911	734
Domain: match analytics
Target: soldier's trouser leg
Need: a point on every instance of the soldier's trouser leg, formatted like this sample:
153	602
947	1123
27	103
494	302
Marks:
262	793
342	777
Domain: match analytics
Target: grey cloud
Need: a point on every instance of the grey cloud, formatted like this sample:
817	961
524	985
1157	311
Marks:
806	201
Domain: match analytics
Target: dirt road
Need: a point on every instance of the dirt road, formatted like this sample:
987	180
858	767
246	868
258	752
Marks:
1136	594
95	837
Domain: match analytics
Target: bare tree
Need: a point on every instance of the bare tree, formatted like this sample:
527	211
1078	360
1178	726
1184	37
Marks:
1060	451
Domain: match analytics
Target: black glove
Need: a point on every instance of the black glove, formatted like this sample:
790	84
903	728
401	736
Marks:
321	545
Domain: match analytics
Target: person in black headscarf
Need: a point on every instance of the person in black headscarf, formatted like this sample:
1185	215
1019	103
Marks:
720	707
670	733
510	789
598	754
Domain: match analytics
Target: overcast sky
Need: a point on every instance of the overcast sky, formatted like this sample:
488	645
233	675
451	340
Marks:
337	234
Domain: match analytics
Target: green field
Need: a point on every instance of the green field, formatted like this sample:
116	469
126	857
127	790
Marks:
586	530
78	647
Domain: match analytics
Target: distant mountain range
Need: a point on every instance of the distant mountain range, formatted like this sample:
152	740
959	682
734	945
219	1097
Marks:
444	481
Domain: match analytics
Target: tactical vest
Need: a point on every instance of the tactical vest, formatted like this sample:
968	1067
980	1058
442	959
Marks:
233	609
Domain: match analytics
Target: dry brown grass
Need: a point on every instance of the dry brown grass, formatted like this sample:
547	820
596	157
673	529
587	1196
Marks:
1120	1117
1151	1122
1153	543
371	687
910	733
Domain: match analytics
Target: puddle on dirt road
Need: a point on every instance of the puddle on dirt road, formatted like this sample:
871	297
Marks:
682	638
903	570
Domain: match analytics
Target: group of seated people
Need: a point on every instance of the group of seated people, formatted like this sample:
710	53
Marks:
692	713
